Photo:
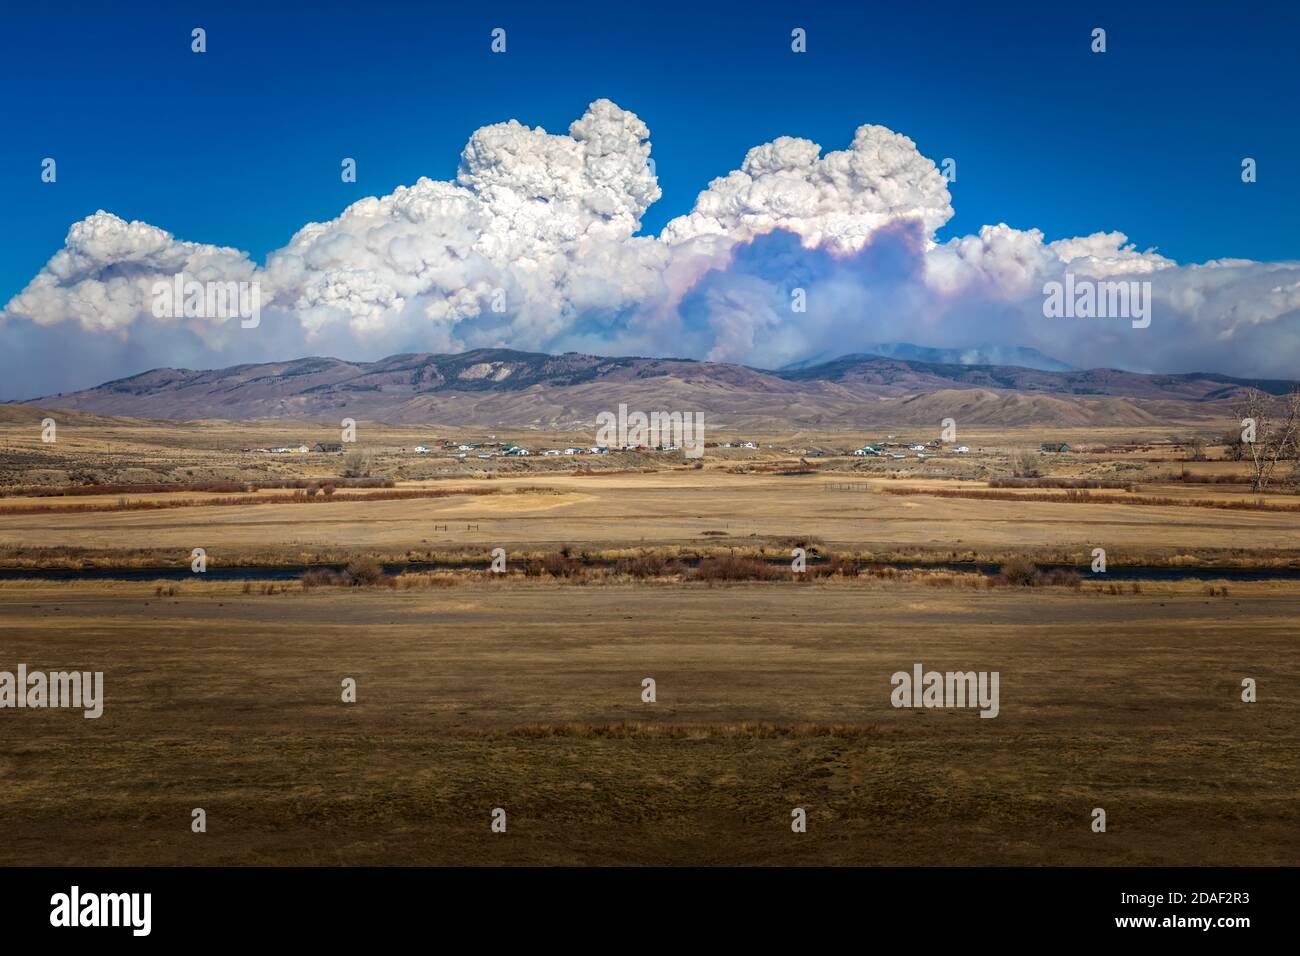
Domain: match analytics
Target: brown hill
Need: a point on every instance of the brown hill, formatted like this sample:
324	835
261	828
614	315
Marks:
509	388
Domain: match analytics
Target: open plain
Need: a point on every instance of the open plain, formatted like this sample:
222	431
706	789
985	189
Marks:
523	690
527	697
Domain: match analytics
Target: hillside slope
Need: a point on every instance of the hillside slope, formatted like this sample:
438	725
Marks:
507	387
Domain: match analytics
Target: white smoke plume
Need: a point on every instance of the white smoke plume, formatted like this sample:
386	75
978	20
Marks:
535	245
837	201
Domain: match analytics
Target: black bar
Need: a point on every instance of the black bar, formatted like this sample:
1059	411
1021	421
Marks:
980	905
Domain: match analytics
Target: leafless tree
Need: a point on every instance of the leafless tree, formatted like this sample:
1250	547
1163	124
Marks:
356	465
1025	463
1233	447
1275	438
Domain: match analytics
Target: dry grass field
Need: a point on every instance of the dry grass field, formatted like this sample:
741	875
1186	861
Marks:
670	508
770	697
524	693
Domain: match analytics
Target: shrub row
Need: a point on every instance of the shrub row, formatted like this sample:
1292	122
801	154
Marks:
1083	497
204	487
304	496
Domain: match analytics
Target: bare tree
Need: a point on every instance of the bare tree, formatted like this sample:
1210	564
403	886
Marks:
1196	450
1025	463
1268	440
1233	447
356	465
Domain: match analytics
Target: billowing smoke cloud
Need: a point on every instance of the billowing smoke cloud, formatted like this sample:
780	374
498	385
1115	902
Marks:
103	276
535	230
534	245
835	202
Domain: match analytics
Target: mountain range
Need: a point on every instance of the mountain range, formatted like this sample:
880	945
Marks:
503	387
975	355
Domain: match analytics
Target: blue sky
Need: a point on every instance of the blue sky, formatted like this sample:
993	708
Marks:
241	146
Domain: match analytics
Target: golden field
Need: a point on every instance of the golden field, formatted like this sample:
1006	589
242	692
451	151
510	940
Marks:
669	508
770	697
476	692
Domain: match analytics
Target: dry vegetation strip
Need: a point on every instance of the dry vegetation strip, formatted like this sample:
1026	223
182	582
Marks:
1083	497
203	487
307	496
1191	478
1070	483
367	572
822	561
